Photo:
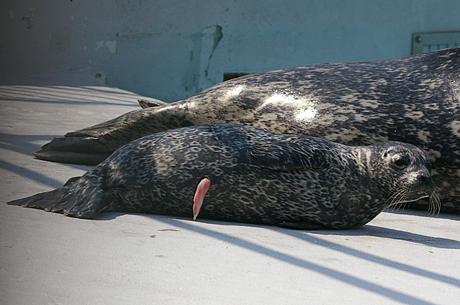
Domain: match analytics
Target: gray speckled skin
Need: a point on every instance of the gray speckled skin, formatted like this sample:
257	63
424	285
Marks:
413	99
257	176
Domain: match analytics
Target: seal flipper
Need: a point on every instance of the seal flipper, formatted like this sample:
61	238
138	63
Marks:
75	150
82	199
287	156
72	180
147	104
93	142
200	192
71	157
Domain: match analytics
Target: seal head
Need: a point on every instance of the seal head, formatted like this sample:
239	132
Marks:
401	168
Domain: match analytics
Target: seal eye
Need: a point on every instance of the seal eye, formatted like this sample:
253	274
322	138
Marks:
401	163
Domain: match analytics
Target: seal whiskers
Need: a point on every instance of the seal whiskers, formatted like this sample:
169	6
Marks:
400	199
435	204
396	202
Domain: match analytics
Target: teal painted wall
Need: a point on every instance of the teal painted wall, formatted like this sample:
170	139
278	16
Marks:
171	49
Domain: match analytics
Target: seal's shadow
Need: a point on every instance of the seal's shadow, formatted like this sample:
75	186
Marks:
309	236
367	230
376	231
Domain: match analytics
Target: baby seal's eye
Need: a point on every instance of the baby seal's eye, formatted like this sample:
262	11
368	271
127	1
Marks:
401	162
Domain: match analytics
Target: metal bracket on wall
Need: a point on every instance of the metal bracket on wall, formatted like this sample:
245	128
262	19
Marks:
428	42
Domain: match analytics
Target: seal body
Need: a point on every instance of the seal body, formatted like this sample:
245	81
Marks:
257	176
414	99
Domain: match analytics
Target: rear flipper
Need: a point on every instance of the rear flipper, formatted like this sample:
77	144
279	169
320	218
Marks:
92	144
70	157
81	199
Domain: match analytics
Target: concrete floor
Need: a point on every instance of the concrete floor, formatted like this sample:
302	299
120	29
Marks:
403	257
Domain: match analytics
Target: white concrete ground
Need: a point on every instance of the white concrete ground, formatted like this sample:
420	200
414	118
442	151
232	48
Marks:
405	257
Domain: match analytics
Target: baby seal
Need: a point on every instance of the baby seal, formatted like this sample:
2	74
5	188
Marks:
249	175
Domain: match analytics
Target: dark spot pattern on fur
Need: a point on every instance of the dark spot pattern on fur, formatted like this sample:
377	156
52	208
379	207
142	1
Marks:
257	176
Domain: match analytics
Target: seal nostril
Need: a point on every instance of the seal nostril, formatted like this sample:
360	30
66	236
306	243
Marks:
424	178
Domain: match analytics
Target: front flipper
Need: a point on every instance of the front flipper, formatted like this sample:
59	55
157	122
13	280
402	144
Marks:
198	199
289	156
147	104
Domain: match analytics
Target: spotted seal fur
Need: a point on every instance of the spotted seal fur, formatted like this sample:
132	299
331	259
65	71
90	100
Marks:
258	176
414	99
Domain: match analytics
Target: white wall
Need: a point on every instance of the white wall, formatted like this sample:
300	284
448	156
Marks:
163	48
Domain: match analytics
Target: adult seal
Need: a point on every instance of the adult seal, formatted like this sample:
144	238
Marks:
414	99
253	176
